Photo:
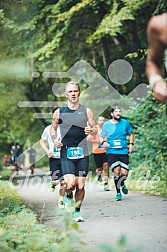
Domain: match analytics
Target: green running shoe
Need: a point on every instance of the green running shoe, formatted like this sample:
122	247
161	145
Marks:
77	217
69	204
118	197
61	204
125	189
51	187
106	187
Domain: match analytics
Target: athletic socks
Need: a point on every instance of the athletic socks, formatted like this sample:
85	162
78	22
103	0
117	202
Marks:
122	179
116	180
77	209
69	195
119	181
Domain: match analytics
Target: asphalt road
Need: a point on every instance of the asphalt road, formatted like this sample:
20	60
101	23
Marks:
141	218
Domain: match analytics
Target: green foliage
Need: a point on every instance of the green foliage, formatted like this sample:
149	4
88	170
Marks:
1	165
5	173
10	200
21	232
150	141
5	22
113	23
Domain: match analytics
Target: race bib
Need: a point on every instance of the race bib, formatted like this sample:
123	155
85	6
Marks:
117	144
56	152
75	152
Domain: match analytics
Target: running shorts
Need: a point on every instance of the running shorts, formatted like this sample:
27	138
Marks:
100	159
77	167
55	168
121	160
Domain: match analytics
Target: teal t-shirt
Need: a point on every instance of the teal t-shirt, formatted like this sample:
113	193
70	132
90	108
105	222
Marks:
115	134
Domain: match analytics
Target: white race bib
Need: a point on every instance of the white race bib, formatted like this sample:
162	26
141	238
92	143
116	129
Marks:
75	152
117	144
56	152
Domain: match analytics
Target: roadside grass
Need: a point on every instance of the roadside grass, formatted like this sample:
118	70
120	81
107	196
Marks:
147	180
142	182
5	173
148	186
21	231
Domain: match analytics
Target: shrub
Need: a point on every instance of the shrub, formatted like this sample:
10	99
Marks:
10	200
5	174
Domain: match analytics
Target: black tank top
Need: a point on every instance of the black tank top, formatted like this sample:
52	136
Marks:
72	127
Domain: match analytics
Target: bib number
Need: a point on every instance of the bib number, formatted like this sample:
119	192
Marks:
56	152
75	152
117	144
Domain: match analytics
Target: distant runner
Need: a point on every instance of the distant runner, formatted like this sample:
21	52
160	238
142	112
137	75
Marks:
99	154
113	138
50	134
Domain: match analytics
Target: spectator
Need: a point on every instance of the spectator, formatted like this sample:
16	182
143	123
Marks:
32	158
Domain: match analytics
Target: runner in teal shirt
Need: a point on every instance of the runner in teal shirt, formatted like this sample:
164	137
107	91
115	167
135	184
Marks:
113	138
116	134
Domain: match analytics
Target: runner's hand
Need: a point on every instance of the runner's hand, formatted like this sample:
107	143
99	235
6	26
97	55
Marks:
131	148
160	91
88	130
105	145
58	143
50	154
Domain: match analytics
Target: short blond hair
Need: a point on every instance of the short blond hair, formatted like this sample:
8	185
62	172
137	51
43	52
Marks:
73	83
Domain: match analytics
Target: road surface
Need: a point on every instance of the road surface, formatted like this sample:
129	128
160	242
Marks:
141	218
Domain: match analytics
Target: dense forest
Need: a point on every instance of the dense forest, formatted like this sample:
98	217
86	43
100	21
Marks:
85	39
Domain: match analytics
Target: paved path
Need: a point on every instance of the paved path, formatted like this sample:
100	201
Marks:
142	218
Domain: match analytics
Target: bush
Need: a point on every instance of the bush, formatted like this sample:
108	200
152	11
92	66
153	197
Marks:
20	230
149	124
5	174
10	200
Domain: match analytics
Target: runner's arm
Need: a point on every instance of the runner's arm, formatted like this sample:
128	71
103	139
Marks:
55	118
156	34
91	129
131	142
44	147
92	139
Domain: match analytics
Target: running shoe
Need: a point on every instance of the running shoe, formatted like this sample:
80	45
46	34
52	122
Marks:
125	189
118	197
52	187
77	217
106	187
69	204
61	204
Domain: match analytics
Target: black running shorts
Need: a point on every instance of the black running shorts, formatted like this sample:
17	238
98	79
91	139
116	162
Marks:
100	159
77	167
121	160
55	168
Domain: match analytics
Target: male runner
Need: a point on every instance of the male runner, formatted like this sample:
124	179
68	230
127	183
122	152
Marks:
74	154
113	138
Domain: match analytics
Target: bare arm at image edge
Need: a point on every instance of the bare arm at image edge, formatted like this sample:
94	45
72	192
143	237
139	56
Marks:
157	38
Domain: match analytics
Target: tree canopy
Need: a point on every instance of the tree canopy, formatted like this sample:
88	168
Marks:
39	36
